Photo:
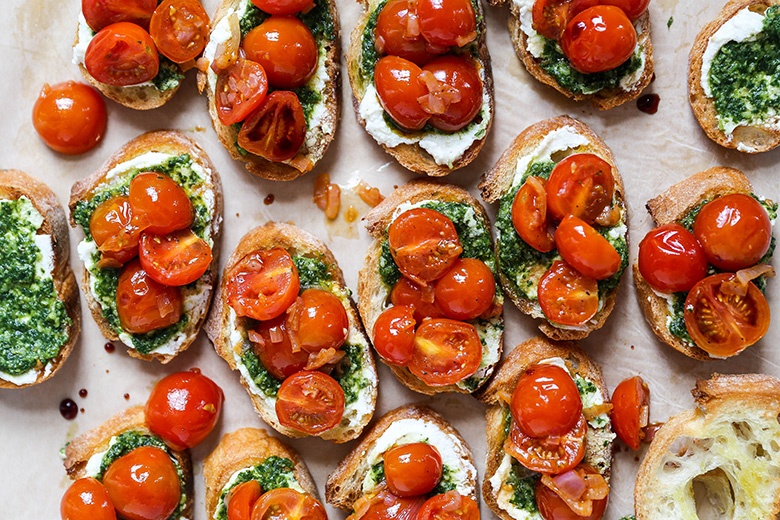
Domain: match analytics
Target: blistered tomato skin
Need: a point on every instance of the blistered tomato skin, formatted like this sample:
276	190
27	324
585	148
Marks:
460	76
286	49
398	87
70	117
122	54
671	259
546	401
467	290
599	39
87	499
393	38
394	335
630	409
412	469
101	13
447	23
143	304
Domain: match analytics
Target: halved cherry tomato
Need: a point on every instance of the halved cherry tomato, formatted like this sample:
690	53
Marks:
121	55
159	203
87	499
386	506
581	185
548	454
397	33
722	323
412	469
467	290
287	504
241	499
454	93
447	22
529	215
545	401
599	38
630	408
398	86
70	117
115	231
553	507
102	13
421	298
671	259
310	402
734	231
394	335
240	89
583	248
449	506
263	284
567	296
144	305
180	29
284	7
276	130
550	17
286	49
276	350
175	259
323	321
424	244
144	484
633	8
445	352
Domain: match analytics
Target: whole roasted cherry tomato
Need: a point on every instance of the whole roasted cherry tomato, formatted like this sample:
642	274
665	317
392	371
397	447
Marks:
115	231
144	305
671	259
101	13
630	409
323	322
263	284
70	117
180	29
734	231
86	499
581	185
445	352
553	507
284	7
276	130
386	506
412	469
567	296
548	454
421	298
546	401
240	89
447	22
159	203
529	215
121	55
394	335
550	17
286	49
288	504
394	37
144	484
310	402
633	8
599	38
241	499
175	259
583	248
449	506
398	86
467	290
454	92
275	351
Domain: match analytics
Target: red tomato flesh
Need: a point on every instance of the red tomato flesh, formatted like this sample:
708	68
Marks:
263	284
567	296
546	401
421	298
447	22
122	54
101	13
386	506
454	92
284	7
550	17
287	504
449	506
630	408
581	185
529	215
240	89
310	402
159	204
397	34
445	352
323	321
241	499
583	248
115	231
70	117
144	305
551	455
180	29
276	130
176	259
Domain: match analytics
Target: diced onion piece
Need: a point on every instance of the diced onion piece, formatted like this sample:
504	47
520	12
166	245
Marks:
739	284
463	40
333	201
369	194
571	484
328	356
226	52
594	411
254	337
321	190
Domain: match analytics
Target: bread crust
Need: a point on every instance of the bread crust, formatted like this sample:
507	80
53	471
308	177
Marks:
756	139
498	181
297	242
165	141
15	184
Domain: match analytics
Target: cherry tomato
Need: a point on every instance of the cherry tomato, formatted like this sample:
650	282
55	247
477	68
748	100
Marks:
581	185
398	86
600	38
175	259
633	8
183	408
447	22
276	129
550	17
121	55
240	89
101	13
144	305
276	351
552	506
310	402
115	231
455	95
529	215
160	204
394	37
566	296
445	352
548	454
144	484
412	469
734	231
323	321
288	504
70	117
421	298
284	7
86	499
424	244
467	290
630	404
180	29
546	401
241	499
394	335
583	248
263	284
449	506
723	324
386	506
286	49
671	259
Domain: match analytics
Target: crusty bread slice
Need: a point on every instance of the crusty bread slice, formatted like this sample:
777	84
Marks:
345	484
372	293
283	171
413	156
668	207
599	443
164	141
246	448
498	181
219	327
749	139
728	443
15	184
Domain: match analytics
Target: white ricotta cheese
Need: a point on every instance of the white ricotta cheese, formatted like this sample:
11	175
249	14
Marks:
589	400
504	492
559	140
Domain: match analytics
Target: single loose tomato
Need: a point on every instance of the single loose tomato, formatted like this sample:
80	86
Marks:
394	335
734	231
263	284
240	89
398	86
159	203
454	95
323	321
447	22
144	305
600	38
630	409
546	401
424	244
583	248
422	298
180	29
445	352
550	17
567	296
671	259
310	402
553	507
548	454
276	130
386	506
412	469
241	499
70	117
633	8
273	347
178	258
449	506
581	185
397	33
115	231
121	55
86	499
101	13
286	49
144	484
529	215
287	504
284	7
467	290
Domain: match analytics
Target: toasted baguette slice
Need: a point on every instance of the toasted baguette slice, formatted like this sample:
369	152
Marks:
409	423
599	440
413	156
94	443
245	449
223	325
13	186
374	295
498	182
748	139
172	143
669	207
326	82
728	443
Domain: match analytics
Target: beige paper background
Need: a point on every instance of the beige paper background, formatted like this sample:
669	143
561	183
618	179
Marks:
652	151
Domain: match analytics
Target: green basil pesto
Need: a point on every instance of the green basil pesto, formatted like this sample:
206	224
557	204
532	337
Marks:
33	321
523	484
273	473
312	272
629	517
168	75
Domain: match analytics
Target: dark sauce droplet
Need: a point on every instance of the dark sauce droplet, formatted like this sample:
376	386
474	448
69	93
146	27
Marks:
195	370
648	103
269	199
68	409
109	347
82	410
127	397
83	393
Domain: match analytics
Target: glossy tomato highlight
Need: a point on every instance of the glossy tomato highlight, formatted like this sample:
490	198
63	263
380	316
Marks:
671	259
70	117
